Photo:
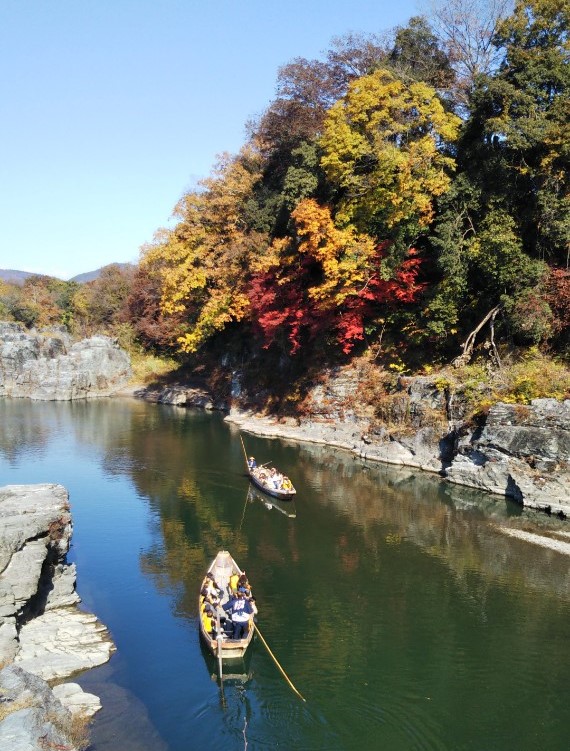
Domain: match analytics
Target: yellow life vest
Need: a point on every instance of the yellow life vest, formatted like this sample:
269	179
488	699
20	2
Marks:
207	621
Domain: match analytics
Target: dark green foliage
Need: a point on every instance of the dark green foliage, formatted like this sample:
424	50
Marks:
418	56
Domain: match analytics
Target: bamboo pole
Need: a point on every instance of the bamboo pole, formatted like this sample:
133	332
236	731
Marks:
220	664
244	453
283	673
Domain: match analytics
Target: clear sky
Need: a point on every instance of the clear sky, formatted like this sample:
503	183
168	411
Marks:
112	109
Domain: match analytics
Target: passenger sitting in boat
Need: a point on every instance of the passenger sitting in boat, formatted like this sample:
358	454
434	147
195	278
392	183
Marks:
241	611
277	480
251	463
209	623
243	585
212	588
286	484
234	579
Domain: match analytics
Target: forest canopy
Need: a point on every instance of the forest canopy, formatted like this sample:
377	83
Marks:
398	192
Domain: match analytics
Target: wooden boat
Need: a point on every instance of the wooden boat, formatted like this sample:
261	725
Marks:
261	478
222	568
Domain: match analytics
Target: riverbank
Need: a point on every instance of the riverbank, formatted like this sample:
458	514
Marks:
45	638
514	450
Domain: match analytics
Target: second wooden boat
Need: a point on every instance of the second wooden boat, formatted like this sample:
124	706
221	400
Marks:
262	477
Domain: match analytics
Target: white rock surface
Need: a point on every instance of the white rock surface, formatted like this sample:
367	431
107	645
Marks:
62	642
76	700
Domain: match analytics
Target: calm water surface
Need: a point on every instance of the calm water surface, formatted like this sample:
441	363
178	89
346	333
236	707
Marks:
398	610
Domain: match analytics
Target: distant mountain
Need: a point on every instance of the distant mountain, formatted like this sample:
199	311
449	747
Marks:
14	276
90	276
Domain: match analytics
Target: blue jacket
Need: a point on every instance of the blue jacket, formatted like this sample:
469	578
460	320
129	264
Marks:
239	608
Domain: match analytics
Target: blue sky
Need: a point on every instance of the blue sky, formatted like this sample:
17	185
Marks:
112	109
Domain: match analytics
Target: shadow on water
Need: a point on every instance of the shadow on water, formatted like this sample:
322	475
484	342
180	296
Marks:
398	609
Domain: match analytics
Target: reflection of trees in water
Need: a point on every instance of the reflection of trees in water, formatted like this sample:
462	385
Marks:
172	466
24	431
448	522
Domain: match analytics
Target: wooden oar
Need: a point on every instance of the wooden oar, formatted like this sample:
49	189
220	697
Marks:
284	674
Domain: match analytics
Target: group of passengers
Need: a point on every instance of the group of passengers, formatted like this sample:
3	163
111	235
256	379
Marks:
270	477
234	617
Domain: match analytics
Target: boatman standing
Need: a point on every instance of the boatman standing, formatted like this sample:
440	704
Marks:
251	463
241	610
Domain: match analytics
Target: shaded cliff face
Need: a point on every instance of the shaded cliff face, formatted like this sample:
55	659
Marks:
52	368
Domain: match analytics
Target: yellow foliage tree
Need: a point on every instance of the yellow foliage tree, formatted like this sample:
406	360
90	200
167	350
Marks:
204	261
383	147
344	255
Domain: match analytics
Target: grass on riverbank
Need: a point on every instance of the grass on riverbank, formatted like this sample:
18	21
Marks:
148	368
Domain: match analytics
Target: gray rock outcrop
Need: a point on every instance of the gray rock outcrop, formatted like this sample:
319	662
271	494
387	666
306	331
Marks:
50	367
43	634
34	717
521	451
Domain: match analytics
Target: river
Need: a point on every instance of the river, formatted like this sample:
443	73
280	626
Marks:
401	613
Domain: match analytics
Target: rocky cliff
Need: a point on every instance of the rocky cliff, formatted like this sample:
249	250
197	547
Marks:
50	367
44	636
518	451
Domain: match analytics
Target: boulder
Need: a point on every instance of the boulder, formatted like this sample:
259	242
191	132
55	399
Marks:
50	367
41	627
34	717
522	451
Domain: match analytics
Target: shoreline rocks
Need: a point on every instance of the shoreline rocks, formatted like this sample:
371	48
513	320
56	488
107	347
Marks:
50	367
520	451
44	636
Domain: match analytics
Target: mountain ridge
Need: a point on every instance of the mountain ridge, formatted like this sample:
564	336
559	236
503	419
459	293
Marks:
16	276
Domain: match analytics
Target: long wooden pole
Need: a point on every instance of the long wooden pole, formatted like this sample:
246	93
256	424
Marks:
283	673
244	452
220	663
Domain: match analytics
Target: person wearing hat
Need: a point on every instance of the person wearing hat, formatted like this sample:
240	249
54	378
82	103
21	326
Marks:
251	463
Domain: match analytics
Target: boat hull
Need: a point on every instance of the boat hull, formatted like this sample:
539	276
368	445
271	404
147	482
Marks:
222	567
283	495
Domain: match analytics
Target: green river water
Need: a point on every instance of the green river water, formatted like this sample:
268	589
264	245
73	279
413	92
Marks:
406	619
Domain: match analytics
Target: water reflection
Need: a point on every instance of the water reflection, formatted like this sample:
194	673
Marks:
287	508
398	609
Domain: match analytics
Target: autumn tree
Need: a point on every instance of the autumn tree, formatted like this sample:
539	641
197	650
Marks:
384	150
203	263
466	30
106	296
152	328
324	282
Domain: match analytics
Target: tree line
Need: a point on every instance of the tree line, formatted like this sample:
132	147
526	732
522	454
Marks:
398	195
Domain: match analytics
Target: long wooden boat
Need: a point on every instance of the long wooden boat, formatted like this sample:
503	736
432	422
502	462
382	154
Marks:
222	568
261	478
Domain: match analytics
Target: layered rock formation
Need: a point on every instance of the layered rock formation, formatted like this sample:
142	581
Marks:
520	451
50	367
43	634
